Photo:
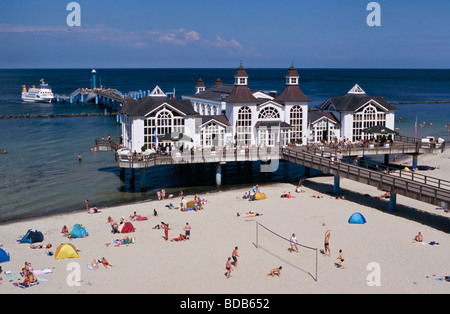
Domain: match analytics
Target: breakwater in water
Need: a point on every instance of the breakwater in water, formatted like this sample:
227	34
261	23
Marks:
64	115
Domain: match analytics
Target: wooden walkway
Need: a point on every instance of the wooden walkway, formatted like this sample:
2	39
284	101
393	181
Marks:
413	185
401	145
423	188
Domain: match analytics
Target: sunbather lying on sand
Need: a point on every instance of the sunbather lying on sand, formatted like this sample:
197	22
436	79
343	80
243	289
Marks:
385	195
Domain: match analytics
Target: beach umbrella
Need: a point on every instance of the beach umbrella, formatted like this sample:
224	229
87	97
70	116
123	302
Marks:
380	129
175	137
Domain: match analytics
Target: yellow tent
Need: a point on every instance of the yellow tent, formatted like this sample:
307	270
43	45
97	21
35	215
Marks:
66	250
260	196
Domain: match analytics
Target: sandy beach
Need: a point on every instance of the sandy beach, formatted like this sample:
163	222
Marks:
380	256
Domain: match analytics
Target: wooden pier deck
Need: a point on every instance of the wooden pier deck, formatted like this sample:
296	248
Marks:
423	188
416	186
400	145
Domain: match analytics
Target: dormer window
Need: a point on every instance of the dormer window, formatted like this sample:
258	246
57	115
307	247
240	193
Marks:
241	81
240	76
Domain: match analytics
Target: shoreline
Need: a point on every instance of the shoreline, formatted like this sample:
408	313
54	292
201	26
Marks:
203	189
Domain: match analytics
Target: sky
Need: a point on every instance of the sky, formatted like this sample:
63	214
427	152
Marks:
221	34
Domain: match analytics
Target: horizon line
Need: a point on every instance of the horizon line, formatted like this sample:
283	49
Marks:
225	68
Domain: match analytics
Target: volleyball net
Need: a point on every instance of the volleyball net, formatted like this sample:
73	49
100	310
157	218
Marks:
305	260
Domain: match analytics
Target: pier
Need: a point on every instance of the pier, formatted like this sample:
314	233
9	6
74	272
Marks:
413	185
416	186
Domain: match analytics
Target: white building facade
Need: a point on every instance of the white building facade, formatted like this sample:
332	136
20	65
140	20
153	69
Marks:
233	115
357	111
252	117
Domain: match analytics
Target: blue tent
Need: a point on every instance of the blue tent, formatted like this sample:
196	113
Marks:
78	232
4	256
357	218
32	236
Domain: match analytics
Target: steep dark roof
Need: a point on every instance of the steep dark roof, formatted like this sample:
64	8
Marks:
200	83
315	116
141	107
351	102
219	118
241	72
291	93
241	94
292	71
217	92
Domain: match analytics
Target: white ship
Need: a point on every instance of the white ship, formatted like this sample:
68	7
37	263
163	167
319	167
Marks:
42	93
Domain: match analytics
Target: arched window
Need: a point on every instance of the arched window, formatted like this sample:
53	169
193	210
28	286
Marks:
367	118
244	126
212	135
160	123
296	122
370	116
269	113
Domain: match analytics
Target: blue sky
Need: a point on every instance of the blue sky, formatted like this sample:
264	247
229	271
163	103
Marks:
200	33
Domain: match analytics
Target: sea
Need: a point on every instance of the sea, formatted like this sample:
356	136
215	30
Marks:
40	173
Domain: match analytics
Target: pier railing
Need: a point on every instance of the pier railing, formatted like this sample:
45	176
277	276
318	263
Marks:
128	159
423	188
395	170
401	145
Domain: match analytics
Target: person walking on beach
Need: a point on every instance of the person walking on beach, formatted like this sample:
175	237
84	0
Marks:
235	255
294	243
340	259
228	267
187	230
166	230
326	243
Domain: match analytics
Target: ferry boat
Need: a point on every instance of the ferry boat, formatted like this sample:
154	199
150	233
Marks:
42	93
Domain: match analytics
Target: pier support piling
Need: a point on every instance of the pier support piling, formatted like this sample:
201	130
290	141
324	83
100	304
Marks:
132	179
414	162
392	202
307	172
143	179
218	174
122	174
286	170
337	185
386	159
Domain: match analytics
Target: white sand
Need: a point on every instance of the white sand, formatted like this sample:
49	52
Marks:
152	265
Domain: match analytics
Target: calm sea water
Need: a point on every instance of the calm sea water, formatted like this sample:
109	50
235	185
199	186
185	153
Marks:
40	173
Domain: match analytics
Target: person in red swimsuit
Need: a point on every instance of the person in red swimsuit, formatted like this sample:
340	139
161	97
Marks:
166	230
228	267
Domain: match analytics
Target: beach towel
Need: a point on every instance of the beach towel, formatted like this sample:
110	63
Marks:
44	271
11	275
252	215
24	285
